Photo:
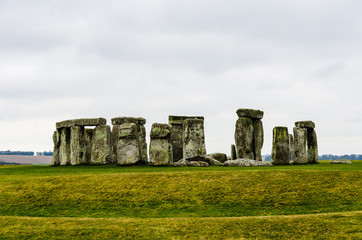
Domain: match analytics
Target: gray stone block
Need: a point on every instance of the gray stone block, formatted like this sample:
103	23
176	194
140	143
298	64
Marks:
280	150
81	122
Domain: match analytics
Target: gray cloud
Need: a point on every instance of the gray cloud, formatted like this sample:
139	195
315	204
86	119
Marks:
295	61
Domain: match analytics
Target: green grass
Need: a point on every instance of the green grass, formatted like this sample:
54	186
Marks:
181	202
319	226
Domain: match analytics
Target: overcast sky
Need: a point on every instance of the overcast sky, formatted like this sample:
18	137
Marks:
295	60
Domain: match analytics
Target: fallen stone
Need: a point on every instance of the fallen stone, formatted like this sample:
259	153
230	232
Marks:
212	161
340	162
280	149
221	157
242	162
180	163
305	124
81	122
251	113
197	164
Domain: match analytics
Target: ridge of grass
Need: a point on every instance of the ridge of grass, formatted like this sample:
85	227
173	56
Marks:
171	192
318	226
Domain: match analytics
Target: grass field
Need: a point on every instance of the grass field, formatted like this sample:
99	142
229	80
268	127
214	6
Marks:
322	201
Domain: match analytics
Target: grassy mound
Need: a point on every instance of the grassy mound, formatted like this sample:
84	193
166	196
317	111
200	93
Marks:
168	202
169	192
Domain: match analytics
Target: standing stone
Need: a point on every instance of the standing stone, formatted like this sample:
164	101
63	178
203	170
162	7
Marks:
141	133
258	139
280	151
76	145
115	140
160	145
249	134
88	139
291	148
128	149
143	144
176	134
193	139
64	148
300	145
312	146
233	152
244	134
101	145
56	141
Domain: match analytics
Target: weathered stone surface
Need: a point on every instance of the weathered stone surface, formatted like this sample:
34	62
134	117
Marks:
258	139
212	161
280	150
233	152
305	124
122	120
221	157
128	148
244	134
180	163
160	130
300	145
141	133
56	142
101	145
197	164
250	113
193	139
180	119
88	139
176	134
160	145
312	146
291	149
160	152
77	145
143	144
176	141
242	162
114	140
340	162
81	122
64	148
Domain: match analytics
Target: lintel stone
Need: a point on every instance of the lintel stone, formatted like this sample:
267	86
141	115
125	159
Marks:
135	120
305	124
81	122
180	119
251	113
